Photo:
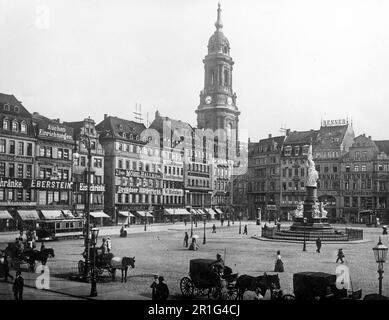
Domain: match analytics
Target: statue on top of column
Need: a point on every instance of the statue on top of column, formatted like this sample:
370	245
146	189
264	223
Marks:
312	173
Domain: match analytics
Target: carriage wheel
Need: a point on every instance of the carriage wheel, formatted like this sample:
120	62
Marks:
187	287
81	267
288	297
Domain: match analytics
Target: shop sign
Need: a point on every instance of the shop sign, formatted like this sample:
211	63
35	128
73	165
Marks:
12	183
173	192
330	123
93	187
55	131
271	207
6	157
51	185
137	174
121	189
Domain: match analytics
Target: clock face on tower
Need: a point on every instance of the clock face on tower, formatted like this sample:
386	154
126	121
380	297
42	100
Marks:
229	101
208	99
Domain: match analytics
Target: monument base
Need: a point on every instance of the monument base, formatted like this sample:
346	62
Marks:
312	225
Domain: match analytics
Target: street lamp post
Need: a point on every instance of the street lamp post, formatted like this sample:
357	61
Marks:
240	224
380	253
145	221
305	225
204	239
87	143
93	290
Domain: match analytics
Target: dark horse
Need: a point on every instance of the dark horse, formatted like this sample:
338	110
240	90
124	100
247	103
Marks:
29	255
122	265
42	256
260	283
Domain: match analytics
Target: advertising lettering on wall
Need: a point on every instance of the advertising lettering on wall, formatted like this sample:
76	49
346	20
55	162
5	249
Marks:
16	158
55	131
12	183
93	187
173	192
51	184
137	174
329	123
127	190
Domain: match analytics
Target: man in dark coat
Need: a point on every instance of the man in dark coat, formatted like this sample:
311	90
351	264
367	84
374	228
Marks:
161	290
18	286
245	230
186	238
318	244
340	256
213	228
6	269
154	287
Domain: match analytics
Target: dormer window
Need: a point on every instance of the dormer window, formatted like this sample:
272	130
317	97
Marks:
16	109
6	107
23	127
288	151
15	126
131	136
5	124
296	151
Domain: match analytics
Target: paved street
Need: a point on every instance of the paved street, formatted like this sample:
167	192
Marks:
162	252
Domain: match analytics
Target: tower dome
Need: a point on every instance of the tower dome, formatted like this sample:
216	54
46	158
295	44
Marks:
218	42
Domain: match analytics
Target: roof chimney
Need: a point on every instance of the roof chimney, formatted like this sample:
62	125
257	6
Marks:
287	132
157	115
269	135
105	116
370	137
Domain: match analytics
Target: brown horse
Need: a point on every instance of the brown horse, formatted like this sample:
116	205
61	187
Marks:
122	264
261	284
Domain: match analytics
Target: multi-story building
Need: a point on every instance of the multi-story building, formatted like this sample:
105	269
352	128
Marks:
381	181
294	169
221	178
132	170
17	155
357	171
80	170
332	142
264	175
53	180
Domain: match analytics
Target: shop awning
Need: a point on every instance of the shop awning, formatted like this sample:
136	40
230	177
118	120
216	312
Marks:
5	215
67	213
99	214
28	215
218	210
52	214
201	211
211	212
170	212
126	214
145	213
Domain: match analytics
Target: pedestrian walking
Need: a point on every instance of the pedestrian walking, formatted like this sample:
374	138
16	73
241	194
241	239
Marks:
185	221
278	226
109	244
161	289
318	245
279	266
222	221
245	230
186	238
213	228
43	246
6	269
18	286
384	230
154	287
340	256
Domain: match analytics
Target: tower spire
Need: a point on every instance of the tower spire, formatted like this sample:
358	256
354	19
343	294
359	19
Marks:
219	23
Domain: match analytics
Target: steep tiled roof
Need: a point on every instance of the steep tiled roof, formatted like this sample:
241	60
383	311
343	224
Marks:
120	128
330	136
11	100
301	137
383	146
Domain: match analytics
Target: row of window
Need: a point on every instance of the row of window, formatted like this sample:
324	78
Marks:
14	126
139	182
174	170
138	198
358	202
53	197
20	148
327	154
198	167
296	172
172	184
267	160
221	172
59	173
139	165
198	183
221	185
15	195
82	161
95	198
59	153
288	150
15	170
356	168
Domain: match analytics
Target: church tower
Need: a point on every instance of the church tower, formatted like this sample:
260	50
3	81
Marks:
218	109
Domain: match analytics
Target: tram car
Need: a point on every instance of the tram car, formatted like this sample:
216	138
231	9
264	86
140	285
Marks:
59	229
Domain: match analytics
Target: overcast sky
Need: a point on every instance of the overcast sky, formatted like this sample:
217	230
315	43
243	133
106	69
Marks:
296	61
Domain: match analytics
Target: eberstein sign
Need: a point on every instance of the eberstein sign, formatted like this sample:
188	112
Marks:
93	187
51	185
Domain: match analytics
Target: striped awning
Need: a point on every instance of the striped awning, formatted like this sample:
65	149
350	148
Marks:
126	214
145	213
201	211
68	213
28	215
170	212
99	214
52	214
5	215
218	210
211	212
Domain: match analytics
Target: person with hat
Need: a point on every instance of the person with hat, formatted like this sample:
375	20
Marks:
18	286
340	256
154	287
161	289
6	268
109	244
104	247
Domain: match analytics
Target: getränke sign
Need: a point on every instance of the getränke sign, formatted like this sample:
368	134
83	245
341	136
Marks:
51	184
329	123
11	183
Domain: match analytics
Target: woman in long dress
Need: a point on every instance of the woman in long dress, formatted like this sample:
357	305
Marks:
279	267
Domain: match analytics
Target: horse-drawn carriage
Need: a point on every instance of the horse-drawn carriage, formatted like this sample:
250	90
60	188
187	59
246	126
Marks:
28	256
318	286
106	262
205	280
